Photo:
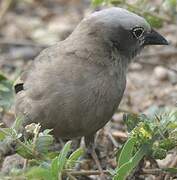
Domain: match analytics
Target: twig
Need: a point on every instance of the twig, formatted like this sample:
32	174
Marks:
70	176
158	64
152	171
172	165
36	133
143	11
21	42
159	53
120	110
25	164
86	173
10	113
153	162
5	5
166	54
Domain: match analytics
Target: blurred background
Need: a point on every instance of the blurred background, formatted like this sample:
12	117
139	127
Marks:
28	26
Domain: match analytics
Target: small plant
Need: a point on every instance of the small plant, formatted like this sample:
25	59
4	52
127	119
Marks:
155	15
42	163
149	136
58	166
6	92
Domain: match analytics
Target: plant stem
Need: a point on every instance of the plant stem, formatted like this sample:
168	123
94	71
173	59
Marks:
70	176
152	171
86	173
37	129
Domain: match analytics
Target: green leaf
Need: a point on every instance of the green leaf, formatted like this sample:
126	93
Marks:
154	21
4	132
18	123
38	173
173	2
52	155
153	110
126	168
115	2
127	151
170	4
2	136
6	92
2	76
3	88
24	151
54	168
123	171
131	120
167	144
62	158
117	154
112	172
170	170
43	143
73	158
47	131
97	2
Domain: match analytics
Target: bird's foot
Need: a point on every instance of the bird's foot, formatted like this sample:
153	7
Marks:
91	151
89	141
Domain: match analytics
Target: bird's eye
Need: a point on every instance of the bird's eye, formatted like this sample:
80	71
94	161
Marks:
137	32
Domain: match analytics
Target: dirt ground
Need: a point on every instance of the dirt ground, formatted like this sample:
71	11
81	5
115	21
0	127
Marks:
27	28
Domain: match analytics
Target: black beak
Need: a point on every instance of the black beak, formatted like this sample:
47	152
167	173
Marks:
154	38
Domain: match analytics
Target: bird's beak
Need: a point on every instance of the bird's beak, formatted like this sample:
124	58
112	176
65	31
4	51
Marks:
154	38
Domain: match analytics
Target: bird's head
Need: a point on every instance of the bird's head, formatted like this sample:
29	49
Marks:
124	30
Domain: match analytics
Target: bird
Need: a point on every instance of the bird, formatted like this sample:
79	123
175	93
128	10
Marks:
75	86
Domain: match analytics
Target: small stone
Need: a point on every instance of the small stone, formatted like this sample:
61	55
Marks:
161	73
63	28
136	66
119	135
164	162
172	77
117	117
44	36
12	162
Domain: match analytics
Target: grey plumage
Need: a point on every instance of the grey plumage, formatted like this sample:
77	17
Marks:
75	86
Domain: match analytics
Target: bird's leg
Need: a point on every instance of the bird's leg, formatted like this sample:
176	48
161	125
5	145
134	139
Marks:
89	142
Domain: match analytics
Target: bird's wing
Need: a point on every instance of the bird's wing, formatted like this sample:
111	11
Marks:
18	84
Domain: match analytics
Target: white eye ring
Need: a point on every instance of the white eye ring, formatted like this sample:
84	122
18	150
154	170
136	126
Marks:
138	32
